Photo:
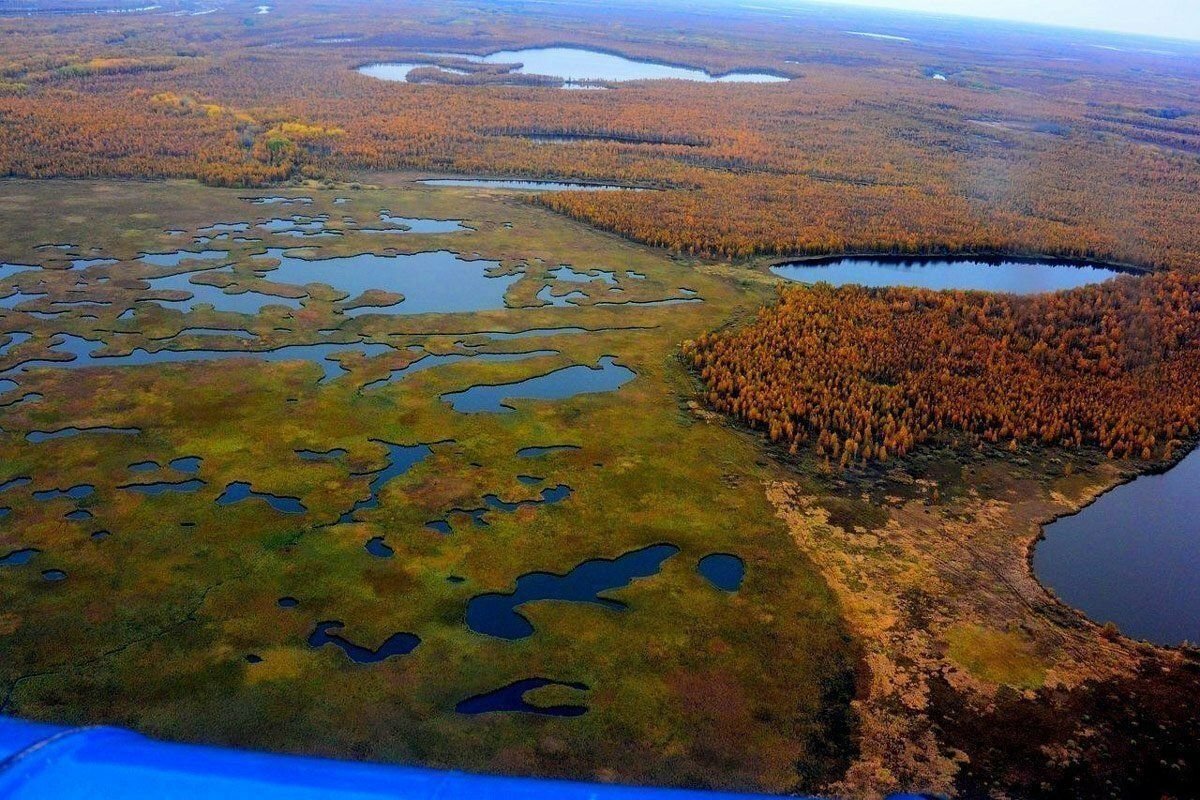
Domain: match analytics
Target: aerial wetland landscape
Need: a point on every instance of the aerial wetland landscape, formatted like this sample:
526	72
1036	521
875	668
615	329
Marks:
796	399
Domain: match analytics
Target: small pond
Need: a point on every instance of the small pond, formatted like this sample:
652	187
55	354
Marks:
1015	275
497	614
398	644
724	571
512	698
83	352
606	376
1133	556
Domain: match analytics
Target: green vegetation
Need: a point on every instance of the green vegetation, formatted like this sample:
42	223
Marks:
1004	657
154	623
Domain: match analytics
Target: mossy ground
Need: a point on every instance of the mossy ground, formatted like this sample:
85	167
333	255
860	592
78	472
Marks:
152	626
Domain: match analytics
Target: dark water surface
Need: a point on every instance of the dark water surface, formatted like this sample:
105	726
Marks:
1133	556
1018	276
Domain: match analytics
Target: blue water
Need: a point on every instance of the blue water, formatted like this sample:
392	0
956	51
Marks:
54	575
549	495
189	464
574	64
15	338
237	333
321	455
239	491
243	302
431	282
496	614
422	225
400	459
288	602
7	270
512	698
723	570
164	487
545	450
19	558
607	376
524	186
83	350
571	275
14	483
998	275
562	300
378	548
176	257
77	492
276	200
428	361
38	437
397	644
1133	556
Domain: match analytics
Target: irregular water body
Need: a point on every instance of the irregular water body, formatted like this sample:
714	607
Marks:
1017	276
77	492
526	186
724	571
437	360
574	65
538	451
37	437
512	698
606	376
19	558
400	459
496	614
378	548
83	355
164	487
398	644
436	281
1133	556
239	491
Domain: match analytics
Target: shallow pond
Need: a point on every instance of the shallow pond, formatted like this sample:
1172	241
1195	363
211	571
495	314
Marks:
606	376
574	65
239	491
397	644
438	281
1133	556
496	614
512	698
724	571
1015	275
400	459
83	355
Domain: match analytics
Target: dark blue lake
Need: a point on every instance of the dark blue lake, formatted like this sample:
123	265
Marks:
512	698
606	376
725	571
1133	556
496	614
1018	276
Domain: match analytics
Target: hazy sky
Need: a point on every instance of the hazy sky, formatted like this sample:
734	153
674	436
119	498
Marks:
1179	19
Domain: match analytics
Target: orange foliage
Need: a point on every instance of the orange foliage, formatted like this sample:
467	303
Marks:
868	374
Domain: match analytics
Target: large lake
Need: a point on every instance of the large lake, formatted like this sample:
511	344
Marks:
1133	556
1018	276
573	65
